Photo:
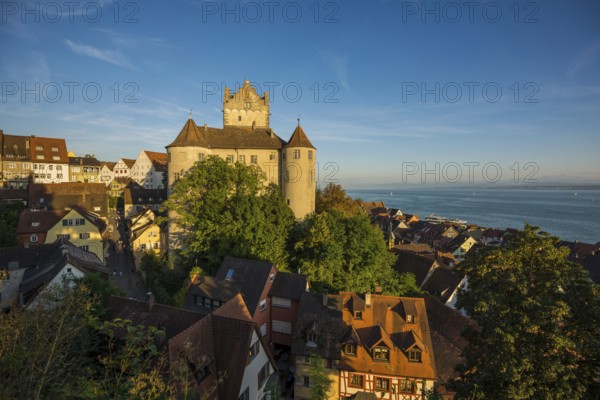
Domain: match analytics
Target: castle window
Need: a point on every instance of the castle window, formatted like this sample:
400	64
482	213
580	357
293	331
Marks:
310	154
239	118
242	159
201	156
273	156
296	153
254	159
229	158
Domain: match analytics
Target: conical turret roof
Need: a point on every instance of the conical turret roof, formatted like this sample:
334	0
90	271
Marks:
299	139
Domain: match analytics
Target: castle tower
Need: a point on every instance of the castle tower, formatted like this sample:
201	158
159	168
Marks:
245	108
299	173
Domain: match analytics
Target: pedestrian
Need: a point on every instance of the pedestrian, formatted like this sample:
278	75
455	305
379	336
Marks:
120	273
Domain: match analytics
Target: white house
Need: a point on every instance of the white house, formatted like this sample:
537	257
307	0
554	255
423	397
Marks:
50	160
122	168
149	169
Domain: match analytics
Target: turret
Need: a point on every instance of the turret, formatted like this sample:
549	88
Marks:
299	173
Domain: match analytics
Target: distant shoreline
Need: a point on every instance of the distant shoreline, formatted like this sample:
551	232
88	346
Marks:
504	187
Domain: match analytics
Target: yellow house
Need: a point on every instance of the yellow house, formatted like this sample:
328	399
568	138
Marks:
82	229
146	233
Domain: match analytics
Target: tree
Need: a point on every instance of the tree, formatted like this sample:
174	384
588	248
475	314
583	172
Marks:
538	334
338	252
319	380
9	219
226	209
45	350
334	199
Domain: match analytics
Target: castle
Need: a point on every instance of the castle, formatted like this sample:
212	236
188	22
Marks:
246	137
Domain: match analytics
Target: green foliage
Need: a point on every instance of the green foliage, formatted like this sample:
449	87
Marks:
9	219
334	199
226	210
164	283
101	288
40	348
319	380
538	317
338	252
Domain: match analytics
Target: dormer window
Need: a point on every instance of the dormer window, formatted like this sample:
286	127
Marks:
414	355
35	223
350	349
311	339
358	315
410	319
381	353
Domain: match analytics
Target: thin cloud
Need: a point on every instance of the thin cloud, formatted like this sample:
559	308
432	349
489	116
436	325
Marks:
590	55
338	63
108	56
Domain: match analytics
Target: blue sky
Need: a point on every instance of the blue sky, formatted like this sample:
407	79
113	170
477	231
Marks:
388	88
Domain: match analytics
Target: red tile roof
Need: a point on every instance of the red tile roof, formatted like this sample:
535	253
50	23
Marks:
299	139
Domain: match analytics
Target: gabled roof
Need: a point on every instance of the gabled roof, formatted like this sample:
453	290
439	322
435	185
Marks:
128	161
377	336
299	139
351	336
220	341
230	137
442	283
289	285
63	252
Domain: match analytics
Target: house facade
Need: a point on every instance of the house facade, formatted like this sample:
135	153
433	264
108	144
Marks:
74	225
50	161
122	168
15	161
107	173
149	169
386	348
284	299
136	199
84	169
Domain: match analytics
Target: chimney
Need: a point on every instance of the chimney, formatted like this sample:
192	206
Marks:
205	127
368	299
324	300
150	303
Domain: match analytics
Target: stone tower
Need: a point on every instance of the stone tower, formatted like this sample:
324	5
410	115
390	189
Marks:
245	108
299	180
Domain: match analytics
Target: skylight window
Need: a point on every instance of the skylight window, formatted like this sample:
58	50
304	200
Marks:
229	275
